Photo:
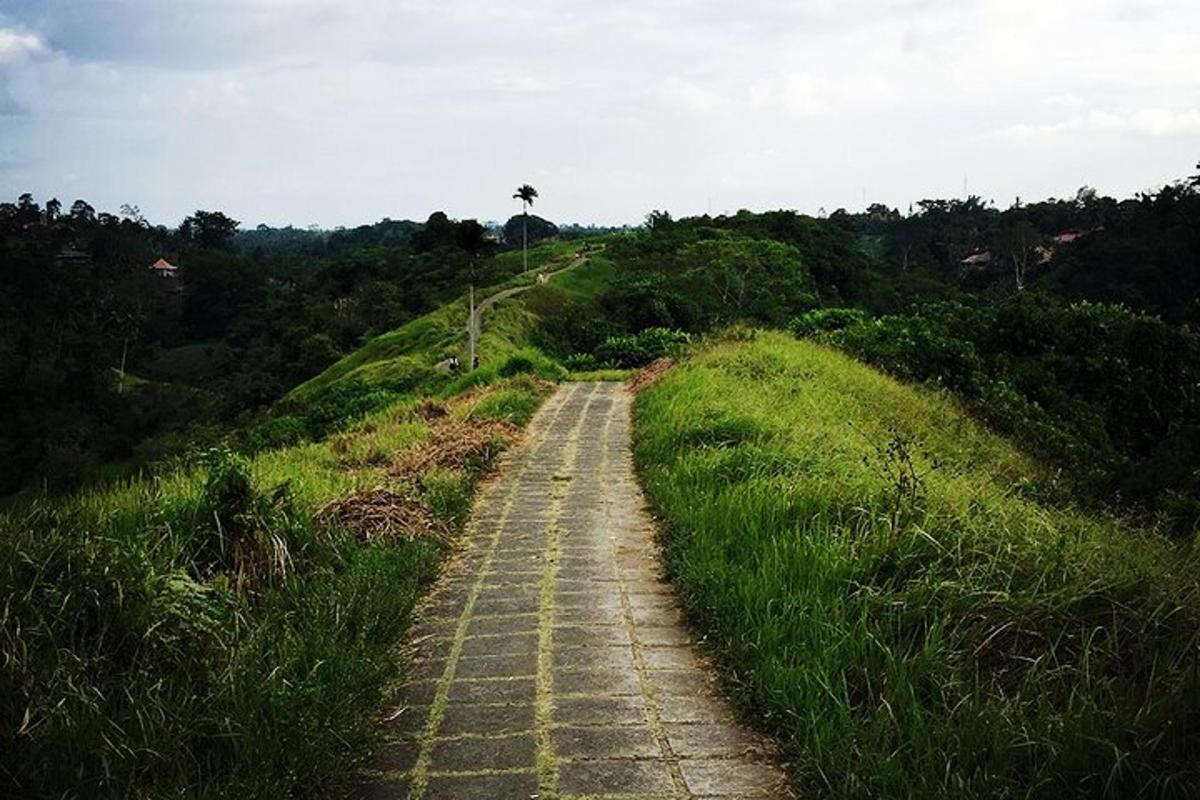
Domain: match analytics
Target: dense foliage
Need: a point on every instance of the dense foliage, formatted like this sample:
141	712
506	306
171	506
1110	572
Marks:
103	361
1111	395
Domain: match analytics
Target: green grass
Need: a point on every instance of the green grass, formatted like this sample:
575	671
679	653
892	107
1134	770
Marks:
602	375
402	360
424	341
890	596
202	634
588	279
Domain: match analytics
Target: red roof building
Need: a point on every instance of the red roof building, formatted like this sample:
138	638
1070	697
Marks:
164	269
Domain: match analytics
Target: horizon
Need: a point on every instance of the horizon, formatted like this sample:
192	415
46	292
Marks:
301	112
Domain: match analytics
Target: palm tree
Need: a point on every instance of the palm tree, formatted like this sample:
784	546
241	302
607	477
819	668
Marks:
525	193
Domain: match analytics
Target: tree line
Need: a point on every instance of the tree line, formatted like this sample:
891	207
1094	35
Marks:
103	362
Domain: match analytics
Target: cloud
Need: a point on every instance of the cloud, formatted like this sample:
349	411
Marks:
803	94
1157	122
692	96
16	45
303	110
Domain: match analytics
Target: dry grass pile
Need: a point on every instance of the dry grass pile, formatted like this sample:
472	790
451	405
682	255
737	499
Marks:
430	410
649	374
379	513
466	445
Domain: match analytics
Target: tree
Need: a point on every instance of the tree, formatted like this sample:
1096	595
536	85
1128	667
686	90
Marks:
209	229
82	211
529	227
526	194
27	210
439	231
1018	241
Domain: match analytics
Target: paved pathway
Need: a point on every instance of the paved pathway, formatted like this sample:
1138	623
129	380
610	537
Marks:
552	660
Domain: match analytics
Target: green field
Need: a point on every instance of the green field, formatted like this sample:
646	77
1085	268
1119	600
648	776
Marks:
892	597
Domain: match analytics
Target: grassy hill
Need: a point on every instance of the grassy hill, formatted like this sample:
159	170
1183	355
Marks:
894	598
403	358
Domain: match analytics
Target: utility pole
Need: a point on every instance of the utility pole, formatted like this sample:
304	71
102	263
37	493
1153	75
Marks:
471	325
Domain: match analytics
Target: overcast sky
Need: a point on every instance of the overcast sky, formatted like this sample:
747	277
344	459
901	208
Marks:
335	112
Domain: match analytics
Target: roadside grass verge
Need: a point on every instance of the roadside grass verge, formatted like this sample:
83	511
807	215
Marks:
894	598
601	375
207	633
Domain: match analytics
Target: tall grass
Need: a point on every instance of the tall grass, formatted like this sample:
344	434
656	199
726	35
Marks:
892	594
200	634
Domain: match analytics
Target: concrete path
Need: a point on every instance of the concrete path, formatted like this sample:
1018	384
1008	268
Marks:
552	660
475	323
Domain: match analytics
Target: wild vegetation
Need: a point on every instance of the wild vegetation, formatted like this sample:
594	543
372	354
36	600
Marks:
106	368
895	598
229	628
913	605
1031	314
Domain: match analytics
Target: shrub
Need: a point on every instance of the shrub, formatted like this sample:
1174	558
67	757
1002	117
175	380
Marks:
245	533
823	320
532	361
276	430
581	362
639	349
340	403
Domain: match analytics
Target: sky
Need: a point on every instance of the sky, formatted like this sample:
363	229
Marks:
333	113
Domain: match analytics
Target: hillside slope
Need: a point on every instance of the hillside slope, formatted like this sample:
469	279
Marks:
895	600
403	359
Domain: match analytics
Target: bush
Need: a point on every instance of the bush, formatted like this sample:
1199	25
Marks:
340	403
823	320
532	361
639	349
581	362
1109	394
281	430
247	534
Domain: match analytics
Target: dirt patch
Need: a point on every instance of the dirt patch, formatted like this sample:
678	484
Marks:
377	514
467	445
649	374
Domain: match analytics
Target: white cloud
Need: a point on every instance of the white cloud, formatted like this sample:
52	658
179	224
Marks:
691	96
804	94
1151	121
1146	122
1064	101
16	45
